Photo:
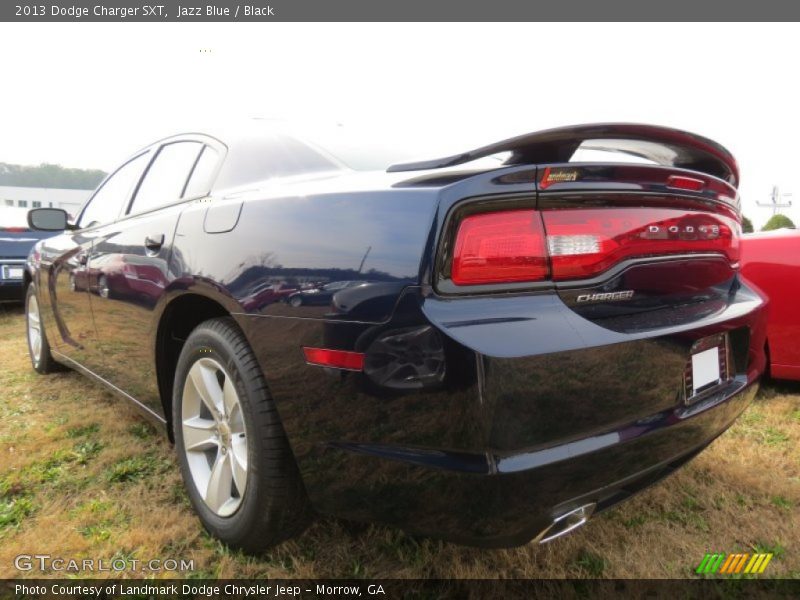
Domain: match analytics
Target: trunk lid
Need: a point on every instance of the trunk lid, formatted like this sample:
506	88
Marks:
626	242
631	246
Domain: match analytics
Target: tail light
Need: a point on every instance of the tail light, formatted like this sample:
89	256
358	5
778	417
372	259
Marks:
565	244
583	243
500	247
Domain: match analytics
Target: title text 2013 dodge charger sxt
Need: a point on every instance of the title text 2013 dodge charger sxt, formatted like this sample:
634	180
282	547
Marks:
516	343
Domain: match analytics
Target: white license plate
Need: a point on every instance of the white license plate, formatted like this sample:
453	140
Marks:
705	369
12	273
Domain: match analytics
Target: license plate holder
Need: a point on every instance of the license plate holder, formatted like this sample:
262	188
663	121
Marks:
709	367
13	272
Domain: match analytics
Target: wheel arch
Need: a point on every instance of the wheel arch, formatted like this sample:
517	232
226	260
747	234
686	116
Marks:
179	317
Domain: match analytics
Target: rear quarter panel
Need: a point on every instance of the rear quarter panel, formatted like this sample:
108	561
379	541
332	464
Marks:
303	238
379	236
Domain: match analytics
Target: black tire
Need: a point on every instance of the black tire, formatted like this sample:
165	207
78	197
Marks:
274	506
45	363
296	301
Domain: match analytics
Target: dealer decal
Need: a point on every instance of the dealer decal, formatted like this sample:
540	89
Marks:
731	564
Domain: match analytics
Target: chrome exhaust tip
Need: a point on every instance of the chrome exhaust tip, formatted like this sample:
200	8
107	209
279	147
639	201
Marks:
565	523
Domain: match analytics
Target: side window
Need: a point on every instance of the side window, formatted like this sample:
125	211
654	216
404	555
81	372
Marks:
165	179
200	180
107	203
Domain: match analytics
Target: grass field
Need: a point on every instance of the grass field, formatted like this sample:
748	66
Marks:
82	475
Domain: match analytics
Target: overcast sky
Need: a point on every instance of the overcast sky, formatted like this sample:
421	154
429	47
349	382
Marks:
89	94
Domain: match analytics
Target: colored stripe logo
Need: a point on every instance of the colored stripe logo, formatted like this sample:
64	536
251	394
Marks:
731	564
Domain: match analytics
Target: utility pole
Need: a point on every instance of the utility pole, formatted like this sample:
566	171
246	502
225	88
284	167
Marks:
775	201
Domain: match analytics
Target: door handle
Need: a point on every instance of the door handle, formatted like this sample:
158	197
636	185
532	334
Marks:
154	242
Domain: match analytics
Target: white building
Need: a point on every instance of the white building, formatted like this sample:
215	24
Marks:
30	197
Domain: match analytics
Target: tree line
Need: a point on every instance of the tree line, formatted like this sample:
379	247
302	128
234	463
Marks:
775	222
50	176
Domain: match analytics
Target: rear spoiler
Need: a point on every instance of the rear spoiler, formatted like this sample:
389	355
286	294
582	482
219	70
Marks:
662	145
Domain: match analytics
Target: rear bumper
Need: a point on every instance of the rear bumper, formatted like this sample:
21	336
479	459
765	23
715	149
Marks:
541	411
518	495
779	371
12	291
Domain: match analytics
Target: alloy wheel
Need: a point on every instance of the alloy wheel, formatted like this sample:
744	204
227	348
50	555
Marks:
34	330
214	436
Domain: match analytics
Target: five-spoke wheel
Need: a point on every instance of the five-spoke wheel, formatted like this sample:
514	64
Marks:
34	330
214	436
239	471
38	348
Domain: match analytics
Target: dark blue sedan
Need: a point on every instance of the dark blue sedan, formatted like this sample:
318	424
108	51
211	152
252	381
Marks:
515	340
16	241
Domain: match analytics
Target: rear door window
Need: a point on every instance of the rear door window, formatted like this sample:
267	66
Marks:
202	176
166	178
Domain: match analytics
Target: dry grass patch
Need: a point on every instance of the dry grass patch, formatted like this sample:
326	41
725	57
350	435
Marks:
82	475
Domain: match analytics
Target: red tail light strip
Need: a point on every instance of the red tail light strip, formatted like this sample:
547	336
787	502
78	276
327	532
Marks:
585	242
570	244
337	359
686	183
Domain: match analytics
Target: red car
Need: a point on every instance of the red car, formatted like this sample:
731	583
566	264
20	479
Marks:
267	293
770	260
113	275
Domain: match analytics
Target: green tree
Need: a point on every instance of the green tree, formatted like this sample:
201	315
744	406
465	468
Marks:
778	222
50	176
747	225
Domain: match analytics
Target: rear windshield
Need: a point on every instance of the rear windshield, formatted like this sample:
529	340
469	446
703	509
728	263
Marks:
369	150
269	151
271	155
363	152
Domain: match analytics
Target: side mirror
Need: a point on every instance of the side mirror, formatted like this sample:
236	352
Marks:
48	219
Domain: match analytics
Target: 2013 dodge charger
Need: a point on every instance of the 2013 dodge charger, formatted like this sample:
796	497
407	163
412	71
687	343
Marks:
534	339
